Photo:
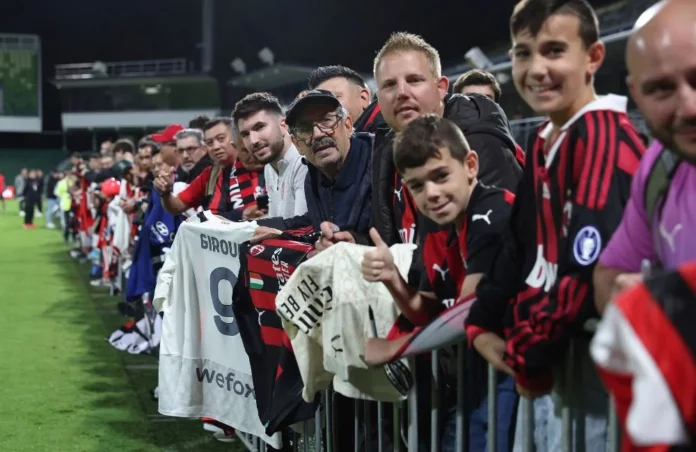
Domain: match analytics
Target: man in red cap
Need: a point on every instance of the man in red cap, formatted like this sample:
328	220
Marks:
167	142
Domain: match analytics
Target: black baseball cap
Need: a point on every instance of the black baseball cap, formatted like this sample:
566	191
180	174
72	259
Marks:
309	97
120	168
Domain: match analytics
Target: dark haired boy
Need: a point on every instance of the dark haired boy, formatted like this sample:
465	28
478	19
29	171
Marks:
575	186
440	170
479	82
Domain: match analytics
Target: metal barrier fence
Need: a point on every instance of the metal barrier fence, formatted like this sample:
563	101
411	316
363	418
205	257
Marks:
406	437
319	436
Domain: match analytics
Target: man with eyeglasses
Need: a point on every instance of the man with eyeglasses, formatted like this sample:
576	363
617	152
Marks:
191	149
228	186
338	185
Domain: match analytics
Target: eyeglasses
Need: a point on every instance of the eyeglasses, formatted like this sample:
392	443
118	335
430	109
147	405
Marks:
303	132
189	150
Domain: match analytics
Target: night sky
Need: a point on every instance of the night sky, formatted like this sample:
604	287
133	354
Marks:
307	32
303	32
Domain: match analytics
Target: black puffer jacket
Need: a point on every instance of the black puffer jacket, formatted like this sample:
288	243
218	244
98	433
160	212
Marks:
371	120
487	130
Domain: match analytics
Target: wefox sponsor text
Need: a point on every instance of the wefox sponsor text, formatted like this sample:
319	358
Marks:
226	382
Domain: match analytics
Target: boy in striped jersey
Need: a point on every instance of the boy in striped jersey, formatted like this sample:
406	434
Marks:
576	184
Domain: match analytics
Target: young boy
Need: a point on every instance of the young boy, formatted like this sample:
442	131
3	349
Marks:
571	199
440	171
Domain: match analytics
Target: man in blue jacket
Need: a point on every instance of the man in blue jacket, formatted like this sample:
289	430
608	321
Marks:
338	186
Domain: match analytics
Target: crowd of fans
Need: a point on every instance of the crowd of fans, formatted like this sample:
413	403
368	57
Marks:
537	243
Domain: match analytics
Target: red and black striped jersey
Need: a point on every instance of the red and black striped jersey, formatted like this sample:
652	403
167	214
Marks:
235	190
645	349
277	380
570	201
449	254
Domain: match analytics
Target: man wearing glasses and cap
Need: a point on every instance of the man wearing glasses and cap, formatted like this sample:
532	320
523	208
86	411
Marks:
338	186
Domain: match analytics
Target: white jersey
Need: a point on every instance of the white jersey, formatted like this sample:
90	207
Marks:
204	370
324	309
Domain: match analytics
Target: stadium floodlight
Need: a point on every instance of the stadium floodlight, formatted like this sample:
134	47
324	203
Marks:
239	66
478	59
502	77
266	55
99	69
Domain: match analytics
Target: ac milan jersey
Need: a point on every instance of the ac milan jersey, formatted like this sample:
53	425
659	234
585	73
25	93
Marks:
277	379
450	254
204	370
405	213
235	190
645	348
569	203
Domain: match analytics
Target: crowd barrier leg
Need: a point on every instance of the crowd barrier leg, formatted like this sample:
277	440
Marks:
460	442
380	427
413	413
317	430
614	434
435	403
396	427
566	410
492	442
329	419
527	425
247	440
356	426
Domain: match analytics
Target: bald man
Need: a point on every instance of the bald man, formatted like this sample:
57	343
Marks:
658	223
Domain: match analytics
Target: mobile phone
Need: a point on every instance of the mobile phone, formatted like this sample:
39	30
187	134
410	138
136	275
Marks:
262	202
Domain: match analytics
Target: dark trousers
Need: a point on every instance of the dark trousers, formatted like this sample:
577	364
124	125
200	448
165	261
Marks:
67	225
29	205
39	204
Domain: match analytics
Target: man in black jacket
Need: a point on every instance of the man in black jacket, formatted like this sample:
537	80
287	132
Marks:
338	186
353	93
410	83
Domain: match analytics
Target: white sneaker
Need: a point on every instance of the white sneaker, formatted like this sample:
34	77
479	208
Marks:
208	427
21	213
39	215
51	226
224	437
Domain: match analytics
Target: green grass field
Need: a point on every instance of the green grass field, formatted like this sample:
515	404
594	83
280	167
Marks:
62	386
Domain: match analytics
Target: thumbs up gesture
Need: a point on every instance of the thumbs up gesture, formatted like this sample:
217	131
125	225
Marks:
378	264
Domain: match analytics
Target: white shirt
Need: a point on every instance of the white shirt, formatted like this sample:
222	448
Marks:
324	309
204	370
285	188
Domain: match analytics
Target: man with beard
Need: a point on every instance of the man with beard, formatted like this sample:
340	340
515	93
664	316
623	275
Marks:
661	62
338	184
261	125
228	186
353	93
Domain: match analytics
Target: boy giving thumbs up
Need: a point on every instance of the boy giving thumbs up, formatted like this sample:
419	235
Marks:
464	221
